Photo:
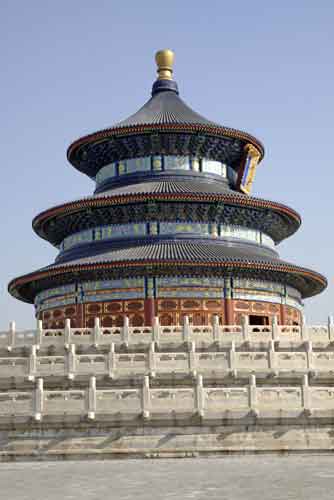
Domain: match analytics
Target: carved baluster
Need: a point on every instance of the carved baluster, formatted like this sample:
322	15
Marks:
97	332
32	364
192	357
274	328
306	396
245	328
304	330
331	328
253	395
232	359
39	333
125	331
67	333
39	399
216	328
186	329
11	336
199	396
156	330
146	399
309	355
71	362
272	358
112	361
92	398
151	359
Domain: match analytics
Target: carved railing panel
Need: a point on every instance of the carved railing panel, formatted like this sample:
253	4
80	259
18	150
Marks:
119	401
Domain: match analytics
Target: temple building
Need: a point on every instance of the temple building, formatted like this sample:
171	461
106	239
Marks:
167	326
171	229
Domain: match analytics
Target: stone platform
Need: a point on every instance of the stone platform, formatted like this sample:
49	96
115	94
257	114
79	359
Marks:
178	391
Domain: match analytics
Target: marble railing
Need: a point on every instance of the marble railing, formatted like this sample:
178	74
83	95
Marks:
169	402
119	365
165	335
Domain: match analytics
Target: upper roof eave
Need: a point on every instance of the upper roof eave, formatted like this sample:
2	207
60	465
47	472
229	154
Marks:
191	128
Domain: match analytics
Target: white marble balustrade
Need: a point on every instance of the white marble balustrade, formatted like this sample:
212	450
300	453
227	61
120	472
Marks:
192	360
165	335
168	402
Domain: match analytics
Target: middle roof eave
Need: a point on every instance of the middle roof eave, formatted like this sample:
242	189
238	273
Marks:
162	191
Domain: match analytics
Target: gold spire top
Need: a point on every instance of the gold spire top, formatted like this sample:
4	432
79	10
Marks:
165	59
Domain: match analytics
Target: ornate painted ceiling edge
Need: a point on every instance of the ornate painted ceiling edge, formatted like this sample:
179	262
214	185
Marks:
76	206
229	265
109	133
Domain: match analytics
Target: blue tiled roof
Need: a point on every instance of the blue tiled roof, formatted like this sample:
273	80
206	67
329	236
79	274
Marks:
165	107
193	251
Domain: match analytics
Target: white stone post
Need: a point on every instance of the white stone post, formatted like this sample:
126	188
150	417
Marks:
125	331
186	329
331	328
274	328
199	396
39	333
71	362
151	359
253	395
306	396
215	328
192	356
11	336
309	355
232	360
245	328
92	398
39	400
97	331
112	361
146	399
32	364
304	330
67	333
156	330
272	358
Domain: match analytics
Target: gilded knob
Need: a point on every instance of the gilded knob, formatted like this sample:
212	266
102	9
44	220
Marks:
165	59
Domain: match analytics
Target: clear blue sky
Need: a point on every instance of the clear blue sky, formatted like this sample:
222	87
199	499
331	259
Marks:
73	67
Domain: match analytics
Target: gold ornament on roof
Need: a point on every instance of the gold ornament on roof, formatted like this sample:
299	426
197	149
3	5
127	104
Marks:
165	60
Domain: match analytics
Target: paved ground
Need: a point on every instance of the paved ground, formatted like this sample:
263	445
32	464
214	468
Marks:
233	478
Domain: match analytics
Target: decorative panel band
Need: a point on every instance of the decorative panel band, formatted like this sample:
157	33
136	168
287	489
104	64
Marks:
198	229
169	288
160	163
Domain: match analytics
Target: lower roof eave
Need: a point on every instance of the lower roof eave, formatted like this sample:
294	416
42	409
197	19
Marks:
25	288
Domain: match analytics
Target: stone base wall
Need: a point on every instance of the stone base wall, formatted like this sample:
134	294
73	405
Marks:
92	442
170	312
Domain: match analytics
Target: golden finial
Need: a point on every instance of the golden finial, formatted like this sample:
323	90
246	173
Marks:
165	59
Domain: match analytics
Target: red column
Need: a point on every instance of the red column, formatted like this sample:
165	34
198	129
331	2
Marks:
228	312
283	317
149	311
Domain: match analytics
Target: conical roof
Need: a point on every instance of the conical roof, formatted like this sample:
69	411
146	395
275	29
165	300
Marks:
165	106
165	124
